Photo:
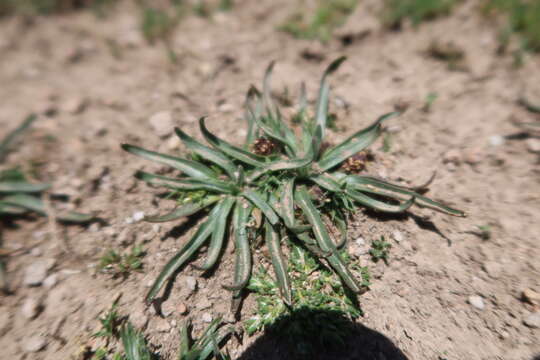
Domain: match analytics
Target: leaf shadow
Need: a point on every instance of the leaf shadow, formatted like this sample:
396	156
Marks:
320	334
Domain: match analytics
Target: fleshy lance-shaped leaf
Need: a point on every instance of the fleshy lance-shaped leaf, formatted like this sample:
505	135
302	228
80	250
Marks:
186	184
218	235
187	209
357	142
323	239
280	266
376	186
21	186
281	165
10	138
231	150
242	268
324	90
379	205
35	204
260	203
187	251
191	168
207	153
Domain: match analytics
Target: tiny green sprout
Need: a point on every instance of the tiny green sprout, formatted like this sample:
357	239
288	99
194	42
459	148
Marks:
380	250
484	232
122	265
277	187
111	323
430	100
209	343
134	343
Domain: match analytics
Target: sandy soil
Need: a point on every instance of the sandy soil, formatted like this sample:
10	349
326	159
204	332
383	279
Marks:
103	83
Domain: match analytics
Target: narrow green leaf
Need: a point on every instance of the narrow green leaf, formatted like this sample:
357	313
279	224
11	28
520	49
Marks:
267	90
323	239
281	165
207	153
184	210
36	205
250	115
20	186
354	144
379	205
134	344
187	251
260	203
212	346
380	187
216	242
10	138
242	270
189	167
231	150
322	102
186	184
280	266
326	182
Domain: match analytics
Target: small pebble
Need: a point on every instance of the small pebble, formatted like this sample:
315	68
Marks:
533	145
162	123
496	140
138	216
452	156
530	296
34	344
182	309
532	320
36	252
206	317
476	301
398	236
31	308
35	273
191	283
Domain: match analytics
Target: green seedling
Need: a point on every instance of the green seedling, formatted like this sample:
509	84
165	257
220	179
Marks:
430	100
320	25
277	187
134	344
417	11
380	250
484	232
111	324
122	265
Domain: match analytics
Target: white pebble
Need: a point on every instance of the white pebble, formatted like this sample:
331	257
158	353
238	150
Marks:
138	215
496	140
476	301
206	317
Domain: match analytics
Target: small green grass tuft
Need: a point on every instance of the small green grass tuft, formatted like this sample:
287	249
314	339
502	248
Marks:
380	250
49	7
111	323
314	287
122	264
327	16
417	11
523	18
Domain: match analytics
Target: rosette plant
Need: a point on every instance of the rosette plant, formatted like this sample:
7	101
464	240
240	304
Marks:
296	191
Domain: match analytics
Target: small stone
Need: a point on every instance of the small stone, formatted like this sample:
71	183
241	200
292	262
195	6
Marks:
203	303
226	108
50	281
138	216
34	344
139	320
35	273
398	236
36	252
473	156
360	241
530	296
163	326
533	320
496	140
191	283
162	123
206	317
533	145
452	156
75	105
31	308
476	301
182	309
174	143
167	309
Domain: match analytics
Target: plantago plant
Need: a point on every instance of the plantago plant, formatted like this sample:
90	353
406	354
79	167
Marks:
293	189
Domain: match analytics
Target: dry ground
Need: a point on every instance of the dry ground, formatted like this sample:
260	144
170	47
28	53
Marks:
419	302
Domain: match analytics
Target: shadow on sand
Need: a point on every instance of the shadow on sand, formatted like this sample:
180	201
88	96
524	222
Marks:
321	335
